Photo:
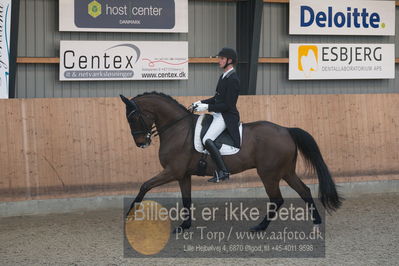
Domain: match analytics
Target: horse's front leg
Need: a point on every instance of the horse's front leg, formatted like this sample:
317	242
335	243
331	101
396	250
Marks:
162	178
185	187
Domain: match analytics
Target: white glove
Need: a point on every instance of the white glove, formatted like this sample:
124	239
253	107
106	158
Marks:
193	105
201	107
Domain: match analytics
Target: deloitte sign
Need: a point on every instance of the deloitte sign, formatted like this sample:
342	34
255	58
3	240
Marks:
342	18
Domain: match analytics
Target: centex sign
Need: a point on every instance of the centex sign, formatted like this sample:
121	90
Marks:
342	18
123	60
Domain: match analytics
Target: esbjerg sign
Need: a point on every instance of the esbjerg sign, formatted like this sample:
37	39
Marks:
123	60
326	17
341	61
124	15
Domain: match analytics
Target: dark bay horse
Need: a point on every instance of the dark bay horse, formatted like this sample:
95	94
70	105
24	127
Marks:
270	148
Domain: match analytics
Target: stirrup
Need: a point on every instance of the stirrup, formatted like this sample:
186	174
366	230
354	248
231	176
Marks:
217	178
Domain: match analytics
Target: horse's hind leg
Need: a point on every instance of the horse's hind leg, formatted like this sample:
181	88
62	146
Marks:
304	191
271	183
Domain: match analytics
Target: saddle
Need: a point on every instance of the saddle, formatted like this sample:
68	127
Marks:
224	142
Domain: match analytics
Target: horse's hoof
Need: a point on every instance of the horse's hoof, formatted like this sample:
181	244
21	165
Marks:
257	228
129	217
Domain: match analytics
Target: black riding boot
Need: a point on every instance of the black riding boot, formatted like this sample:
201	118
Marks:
221	173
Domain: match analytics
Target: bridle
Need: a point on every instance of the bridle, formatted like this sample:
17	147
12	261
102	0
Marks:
147	131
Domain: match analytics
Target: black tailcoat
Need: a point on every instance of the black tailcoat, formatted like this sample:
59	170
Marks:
225	101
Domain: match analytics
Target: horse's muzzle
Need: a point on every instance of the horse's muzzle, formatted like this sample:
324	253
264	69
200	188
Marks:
144	145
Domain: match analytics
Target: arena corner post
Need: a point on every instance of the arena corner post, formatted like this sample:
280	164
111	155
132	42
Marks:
249	21
15	4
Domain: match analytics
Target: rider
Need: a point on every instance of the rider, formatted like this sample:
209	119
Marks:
225	113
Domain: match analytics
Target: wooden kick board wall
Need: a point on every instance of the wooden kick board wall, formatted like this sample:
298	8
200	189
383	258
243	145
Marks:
79	147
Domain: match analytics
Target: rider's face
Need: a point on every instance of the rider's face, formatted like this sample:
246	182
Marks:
222	61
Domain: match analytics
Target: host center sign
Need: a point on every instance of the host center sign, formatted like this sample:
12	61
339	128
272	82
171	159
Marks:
135	11
124	15
342	18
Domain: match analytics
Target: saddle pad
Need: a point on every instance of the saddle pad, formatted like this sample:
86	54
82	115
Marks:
225	149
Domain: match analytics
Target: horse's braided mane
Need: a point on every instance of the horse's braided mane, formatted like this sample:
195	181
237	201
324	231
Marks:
164	96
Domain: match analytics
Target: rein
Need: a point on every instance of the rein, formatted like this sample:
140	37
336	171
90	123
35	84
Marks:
157	132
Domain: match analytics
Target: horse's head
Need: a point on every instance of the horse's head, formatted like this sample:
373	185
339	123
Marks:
140	123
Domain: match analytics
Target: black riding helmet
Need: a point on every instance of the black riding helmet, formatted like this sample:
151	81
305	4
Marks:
229	53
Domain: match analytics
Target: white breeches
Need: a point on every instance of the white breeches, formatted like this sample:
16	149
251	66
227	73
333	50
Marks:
216	128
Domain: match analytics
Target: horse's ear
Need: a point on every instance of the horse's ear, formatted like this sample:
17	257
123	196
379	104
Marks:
126	101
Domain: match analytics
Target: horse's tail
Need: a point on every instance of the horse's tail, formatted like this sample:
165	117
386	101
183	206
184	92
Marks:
308	147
